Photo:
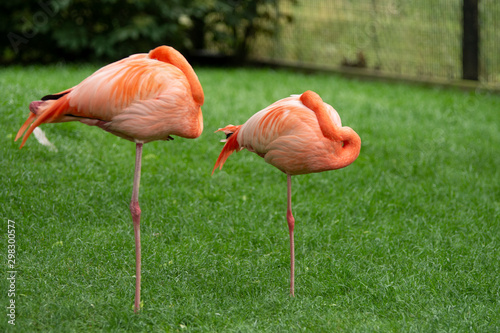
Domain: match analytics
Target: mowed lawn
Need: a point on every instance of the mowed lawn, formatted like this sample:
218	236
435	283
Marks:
404	239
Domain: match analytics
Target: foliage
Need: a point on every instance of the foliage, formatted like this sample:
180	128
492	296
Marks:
50	30
231	26
88	30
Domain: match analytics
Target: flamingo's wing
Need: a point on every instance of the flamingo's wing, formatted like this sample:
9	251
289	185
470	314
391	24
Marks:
107	92
115	87
284	117
290	134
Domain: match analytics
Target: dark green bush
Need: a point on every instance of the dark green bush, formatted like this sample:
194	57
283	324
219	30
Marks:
68	30
49	30
230	26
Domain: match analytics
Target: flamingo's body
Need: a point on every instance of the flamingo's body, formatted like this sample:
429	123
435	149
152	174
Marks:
298	135
142	98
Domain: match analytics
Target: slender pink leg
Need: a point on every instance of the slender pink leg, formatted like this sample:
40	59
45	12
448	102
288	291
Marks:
135	210
291	224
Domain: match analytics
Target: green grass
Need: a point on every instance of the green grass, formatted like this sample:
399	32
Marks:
404	239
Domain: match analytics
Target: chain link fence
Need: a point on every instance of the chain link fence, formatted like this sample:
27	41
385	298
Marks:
417	39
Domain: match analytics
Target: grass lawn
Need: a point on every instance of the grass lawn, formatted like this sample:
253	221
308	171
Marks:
407	238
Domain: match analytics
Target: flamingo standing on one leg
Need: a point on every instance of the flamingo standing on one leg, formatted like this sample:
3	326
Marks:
142	98
298	135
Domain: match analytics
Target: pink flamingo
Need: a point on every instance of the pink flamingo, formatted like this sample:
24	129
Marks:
298	135
142	98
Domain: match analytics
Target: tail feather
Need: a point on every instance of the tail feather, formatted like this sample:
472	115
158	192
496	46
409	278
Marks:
230	146
55	110
25	125
42	138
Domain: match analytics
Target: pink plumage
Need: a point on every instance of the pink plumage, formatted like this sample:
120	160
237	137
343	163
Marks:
142	98
298	135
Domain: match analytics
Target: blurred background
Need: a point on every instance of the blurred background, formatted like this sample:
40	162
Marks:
429	40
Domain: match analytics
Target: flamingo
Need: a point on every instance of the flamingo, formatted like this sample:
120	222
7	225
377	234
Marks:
142	98
298	135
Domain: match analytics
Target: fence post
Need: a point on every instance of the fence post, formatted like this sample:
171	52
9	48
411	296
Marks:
470	40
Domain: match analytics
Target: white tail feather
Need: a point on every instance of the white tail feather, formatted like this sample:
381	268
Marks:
40	136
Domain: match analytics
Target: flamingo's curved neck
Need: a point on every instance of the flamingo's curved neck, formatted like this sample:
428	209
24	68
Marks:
172	56
349	151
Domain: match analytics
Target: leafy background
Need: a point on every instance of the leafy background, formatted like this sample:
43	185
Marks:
47	31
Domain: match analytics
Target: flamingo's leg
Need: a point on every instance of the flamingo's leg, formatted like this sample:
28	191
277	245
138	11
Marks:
135	210
291	224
